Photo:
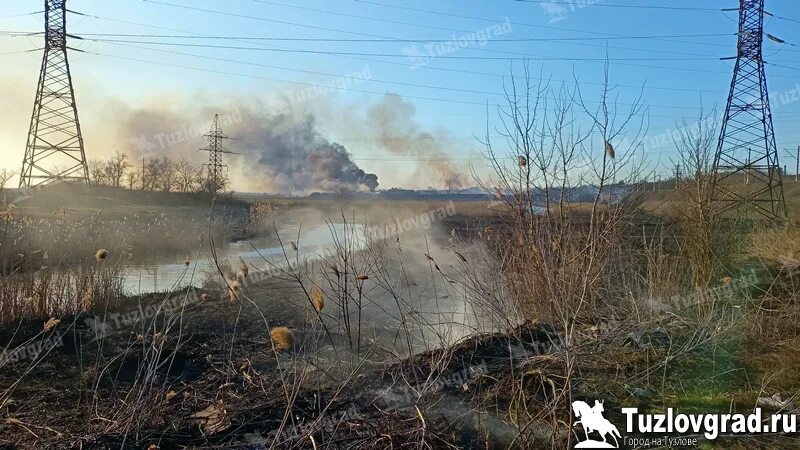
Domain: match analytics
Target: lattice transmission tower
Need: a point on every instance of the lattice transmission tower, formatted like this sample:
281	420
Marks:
54	150
746	169
215	180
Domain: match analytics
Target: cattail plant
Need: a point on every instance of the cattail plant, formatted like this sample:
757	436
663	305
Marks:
101	254
283	338
233	290
317	298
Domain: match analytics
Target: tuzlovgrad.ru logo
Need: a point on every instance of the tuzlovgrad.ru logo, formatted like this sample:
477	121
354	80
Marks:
670	428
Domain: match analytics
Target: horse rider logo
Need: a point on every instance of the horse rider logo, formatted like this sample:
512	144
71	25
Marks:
556	12
591	419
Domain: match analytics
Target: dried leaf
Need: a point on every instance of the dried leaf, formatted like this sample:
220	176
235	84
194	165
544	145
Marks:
214	418
50	324
610	150
170	395
362	277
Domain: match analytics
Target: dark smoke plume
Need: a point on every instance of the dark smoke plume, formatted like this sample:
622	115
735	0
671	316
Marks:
281	153
296	157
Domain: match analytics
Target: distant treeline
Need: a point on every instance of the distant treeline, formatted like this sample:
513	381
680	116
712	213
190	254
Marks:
162	174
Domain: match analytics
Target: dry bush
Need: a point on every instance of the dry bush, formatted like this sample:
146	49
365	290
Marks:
708	240
599	271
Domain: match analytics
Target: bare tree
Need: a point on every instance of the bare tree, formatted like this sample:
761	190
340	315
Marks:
5	176
695	214
132	178
115	169
97	172
186	176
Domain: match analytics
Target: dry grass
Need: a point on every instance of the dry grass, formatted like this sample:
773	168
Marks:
778	247
58	293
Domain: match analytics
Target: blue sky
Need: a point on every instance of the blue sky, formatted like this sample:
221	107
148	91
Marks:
449	93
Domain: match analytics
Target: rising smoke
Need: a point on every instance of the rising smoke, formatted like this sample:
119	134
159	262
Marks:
286	151
393	121
296	157
281	153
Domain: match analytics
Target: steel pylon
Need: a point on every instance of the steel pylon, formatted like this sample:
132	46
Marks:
215	167
747	173
54	150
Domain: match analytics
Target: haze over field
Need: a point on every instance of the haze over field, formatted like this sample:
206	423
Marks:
408	111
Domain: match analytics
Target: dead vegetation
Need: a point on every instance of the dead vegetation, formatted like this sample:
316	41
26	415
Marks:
480	335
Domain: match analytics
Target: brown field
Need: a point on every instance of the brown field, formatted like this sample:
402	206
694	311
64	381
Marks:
472	331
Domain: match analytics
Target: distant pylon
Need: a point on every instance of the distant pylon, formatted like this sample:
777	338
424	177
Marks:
215	176
54	137
747	125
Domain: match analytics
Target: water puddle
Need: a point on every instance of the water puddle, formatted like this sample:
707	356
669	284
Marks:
312	243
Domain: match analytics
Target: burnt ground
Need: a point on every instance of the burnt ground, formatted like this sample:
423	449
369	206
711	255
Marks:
208	377
214	381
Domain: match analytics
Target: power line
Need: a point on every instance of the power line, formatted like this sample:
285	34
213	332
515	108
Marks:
623	5
782	18
389	39
442	13
21	14
312	85
338	76
396	55
447	29
427	68
21	51
782	66
451	70
400	40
